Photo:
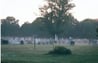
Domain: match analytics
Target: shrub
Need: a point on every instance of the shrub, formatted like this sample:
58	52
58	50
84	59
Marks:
21	42
72	43
60	50
4	41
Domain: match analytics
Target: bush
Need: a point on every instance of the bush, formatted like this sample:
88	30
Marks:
60	50
21	42
4	41
72	43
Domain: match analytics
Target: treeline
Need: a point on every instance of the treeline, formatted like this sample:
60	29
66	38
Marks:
72	27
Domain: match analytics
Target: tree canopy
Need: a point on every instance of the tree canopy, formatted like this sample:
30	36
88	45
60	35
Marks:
9	26
56	20
56	14
83	29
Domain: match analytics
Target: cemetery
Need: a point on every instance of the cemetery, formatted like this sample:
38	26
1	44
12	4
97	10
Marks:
49	31
66	41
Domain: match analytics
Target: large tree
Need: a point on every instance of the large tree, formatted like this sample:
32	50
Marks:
9	26
25	29
36	28
56	14
86	29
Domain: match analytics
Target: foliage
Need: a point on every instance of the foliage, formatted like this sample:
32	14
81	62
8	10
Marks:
25	29
86	28
9	26
4	41
56	14
72	43
21	42
38	28
97	32
60	50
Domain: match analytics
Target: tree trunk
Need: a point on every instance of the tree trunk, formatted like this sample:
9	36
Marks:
55	40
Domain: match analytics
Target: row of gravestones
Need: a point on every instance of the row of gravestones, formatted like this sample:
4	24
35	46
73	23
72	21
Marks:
7	42
39	43
48	43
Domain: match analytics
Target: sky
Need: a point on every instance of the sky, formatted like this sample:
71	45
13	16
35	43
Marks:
28	10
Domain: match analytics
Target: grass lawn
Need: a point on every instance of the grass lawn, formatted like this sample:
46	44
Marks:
27	54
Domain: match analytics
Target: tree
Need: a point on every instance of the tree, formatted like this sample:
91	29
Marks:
9	26
56	14
86	28
36	28
97	32
25	29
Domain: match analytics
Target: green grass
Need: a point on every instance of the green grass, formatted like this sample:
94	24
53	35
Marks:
27	54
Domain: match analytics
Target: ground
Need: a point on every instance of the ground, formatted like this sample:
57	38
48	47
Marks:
27	54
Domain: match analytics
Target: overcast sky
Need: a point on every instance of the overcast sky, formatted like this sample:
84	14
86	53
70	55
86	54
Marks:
27	10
